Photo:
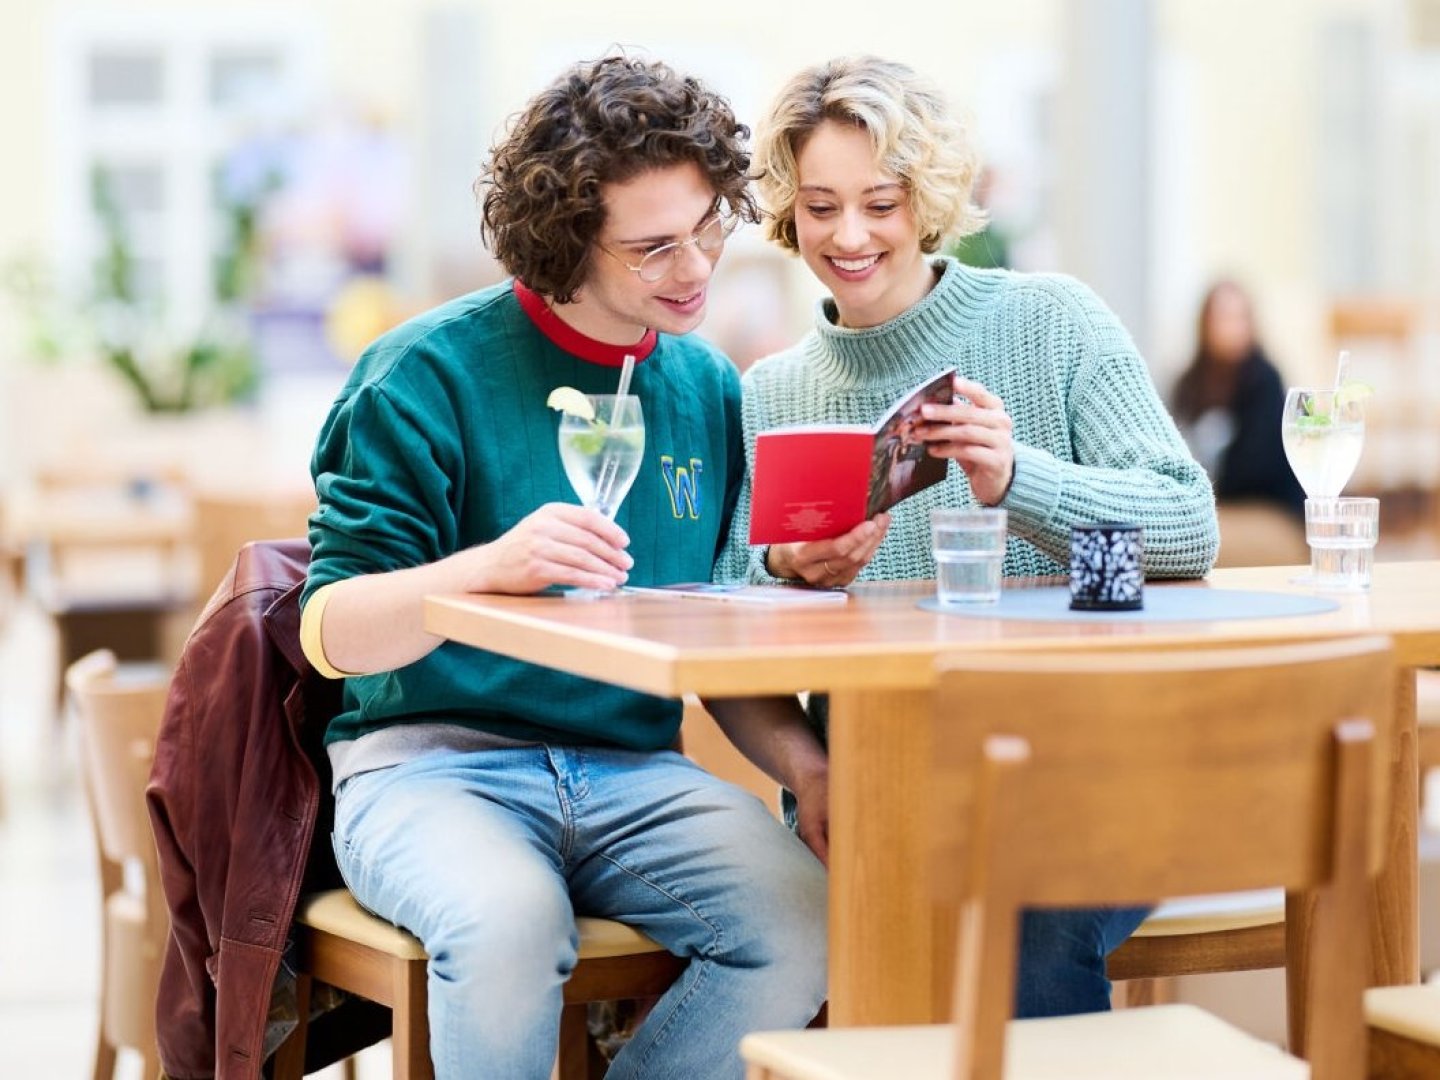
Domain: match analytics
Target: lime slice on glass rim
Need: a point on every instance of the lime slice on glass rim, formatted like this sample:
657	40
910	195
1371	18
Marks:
1351	392
571	402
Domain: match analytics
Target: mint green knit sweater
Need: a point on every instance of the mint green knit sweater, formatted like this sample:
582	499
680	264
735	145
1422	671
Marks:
1092	440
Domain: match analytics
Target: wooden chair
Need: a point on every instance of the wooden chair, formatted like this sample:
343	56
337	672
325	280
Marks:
12	563
1259	534
1244	933
226	519
343	945
118	721
1036	792
1386	335
1427	715
1404	1024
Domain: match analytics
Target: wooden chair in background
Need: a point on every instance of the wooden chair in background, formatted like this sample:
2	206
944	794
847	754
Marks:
118	721
227	519
1385	335
343	945
1239	933
1215	935
1427	716
12	563
1259	534
1035	805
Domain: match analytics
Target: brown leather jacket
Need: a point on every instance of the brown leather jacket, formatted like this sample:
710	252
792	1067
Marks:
239	787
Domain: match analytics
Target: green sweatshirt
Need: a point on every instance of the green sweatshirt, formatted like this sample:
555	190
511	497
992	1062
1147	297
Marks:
441	440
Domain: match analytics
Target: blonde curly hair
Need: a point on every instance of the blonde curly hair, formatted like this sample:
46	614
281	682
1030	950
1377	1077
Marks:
908	120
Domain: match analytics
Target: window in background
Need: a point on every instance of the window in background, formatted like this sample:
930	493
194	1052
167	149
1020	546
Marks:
150	108
121	77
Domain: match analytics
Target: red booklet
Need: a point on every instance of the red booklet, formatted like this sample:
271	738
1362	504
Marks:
815	481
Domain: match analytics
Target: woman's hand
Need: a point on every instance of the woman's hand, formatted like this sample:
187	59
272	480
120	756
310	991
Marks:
829	563
974	431
812	813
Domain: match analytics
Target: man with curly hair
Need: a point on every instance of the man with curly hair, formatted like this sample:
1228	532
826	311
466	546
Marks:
482	803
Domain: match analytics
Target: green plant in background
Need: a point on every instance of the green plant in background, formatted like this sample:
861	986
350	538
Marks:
217	364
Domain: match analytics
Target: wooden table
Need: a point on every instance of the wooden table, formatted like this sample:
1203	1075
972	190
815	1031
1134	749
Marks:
889	943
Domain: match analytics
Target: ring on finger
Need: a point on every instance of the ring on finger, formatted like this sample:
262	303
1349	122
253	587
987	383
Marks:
828	572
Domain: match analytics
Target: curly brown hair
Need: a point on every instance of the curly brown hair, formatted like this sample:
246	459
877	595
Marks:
602	122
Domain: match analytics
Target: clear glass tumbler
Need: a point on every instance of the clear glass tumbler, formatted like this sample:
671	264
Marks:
969	548
1341	534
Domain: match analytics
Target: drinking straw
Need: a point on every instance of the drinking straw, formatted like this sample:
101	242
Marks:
609	465
1340	365
626	370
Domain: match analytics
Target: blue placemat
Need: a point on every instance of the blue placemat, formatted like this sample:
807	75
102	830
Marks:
1161	605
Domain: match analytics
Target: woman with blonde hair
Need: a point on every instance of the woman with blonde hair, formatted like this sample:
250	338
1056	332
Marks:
865	173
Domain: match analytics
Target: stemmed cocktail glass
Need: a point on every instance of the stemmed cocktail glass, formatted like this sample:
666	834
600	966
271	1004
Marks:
601	456
1323	430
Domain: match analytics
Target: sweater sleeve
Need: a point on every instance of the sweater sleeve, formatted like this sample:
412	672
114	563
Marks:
1129	463
385	472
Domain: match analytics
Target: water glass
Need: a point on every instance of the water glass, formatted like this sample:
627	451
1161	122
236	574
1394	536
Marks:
1342	533
969	547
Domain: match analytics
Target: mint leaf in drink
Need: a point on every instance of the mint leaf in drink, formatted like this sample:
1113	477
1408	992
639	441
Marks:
589	442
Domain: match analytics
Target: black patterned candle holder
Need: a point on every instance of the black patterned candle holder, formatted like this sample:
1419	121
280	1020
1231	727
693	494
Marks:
1107	567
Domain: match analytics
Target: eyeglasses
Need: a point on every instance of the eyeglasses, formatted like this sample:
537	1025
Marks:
657	263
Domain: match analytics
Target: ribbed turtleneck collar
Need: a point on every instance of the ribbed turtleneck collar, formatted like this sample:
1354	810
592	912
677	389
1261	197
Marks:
917	342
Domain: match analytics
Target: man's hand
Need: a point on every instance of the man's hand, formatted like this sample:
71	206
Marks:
558	544
975	433
829	563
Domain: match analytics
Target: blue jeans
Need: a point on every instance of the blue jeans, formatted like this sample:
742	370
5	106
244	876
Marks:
1062	958
487	857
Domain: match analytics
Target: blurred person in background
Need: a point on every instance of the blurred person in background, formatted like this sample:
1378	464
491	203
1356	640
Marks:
1228	404
481	802
865	174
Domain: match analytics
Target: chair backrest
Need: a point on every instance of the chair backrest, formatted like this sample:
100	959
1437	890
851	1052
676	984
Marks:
1111	778
1254	533
225	521
118	721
